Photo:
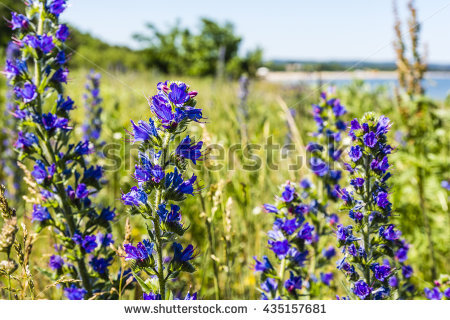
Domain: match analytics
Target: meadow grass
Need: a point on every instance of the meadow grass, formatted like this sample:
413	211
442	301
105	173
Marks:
226	222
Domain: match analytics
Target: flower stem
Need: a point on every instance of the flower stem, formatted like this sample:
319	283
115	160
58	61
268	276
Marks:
156	223
281	274
426	222
162	281
366	231
213	252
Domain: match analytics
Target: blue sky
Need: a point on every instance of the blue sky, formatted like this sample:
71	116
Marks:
296	29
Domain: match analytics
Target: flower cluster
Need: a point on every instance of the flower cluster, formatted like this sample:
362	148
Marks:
293	240
92	126
441	289
160	176
82	230
302	220
325	151
374	254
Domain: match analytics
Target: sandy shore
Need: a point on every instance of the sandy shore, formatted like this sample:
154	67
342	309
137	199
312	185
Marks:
342	75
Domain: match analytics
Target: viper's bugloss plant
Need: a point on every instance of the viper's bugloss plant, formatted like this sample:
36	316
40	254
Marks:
302	223
161	183
292	273
92	126
82	230
374	255
325	150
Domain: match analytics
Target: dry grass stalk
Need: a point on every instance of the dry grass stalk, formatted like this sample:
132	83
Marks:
33	196
410	72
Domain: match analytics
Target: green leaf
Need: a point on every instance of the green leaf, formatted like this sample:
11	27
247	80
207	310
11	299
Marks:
142	283
153	284
169	295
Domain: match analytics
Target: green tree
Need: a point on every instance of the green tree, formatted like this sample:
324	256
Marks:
213	50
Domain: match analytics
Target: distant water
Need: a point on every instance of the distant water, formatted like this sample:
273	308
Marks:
436	88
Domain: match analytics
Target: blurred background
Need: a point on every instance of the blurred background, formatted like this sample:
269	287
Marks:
258	67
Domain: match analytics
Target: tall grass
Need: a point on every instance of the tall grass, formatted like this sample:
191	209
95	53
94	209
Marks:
232	231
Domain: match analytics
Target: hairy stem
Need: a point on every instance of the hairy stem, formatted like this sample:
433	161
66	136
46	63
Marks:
366	229
158	235
281	274
156	223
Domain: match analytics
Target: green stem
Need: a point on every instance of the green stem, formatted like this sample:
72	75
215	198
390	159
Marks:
9	277
209	230
366	240
162	280
426	222
9	286
120	282
281	274
156	222
366	230
213	252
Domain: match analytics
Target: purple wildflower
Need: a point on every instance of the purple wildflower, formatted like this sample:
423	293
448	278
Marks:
280	248
135	197
188	150
18	21
433	294
288	194
74	293
56	262
355	153
62	33
180	255
361	289
407	271
100	265
144	131
270	208
370	139
57	7
270	285
262	266
329	252
306	232
89	243
178	94
151	296
293	282
389	233
326	278
28	93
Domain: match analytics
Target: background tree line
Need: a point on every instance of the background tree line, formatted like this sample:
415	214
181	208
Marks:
212	50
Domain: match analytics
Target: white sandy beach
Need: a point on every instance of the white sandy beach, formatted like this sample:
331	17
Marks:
273	76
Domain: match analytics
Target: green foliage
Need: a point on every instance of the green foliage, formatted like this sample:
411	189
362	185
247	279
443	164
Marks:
238	230
88	51
213	50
